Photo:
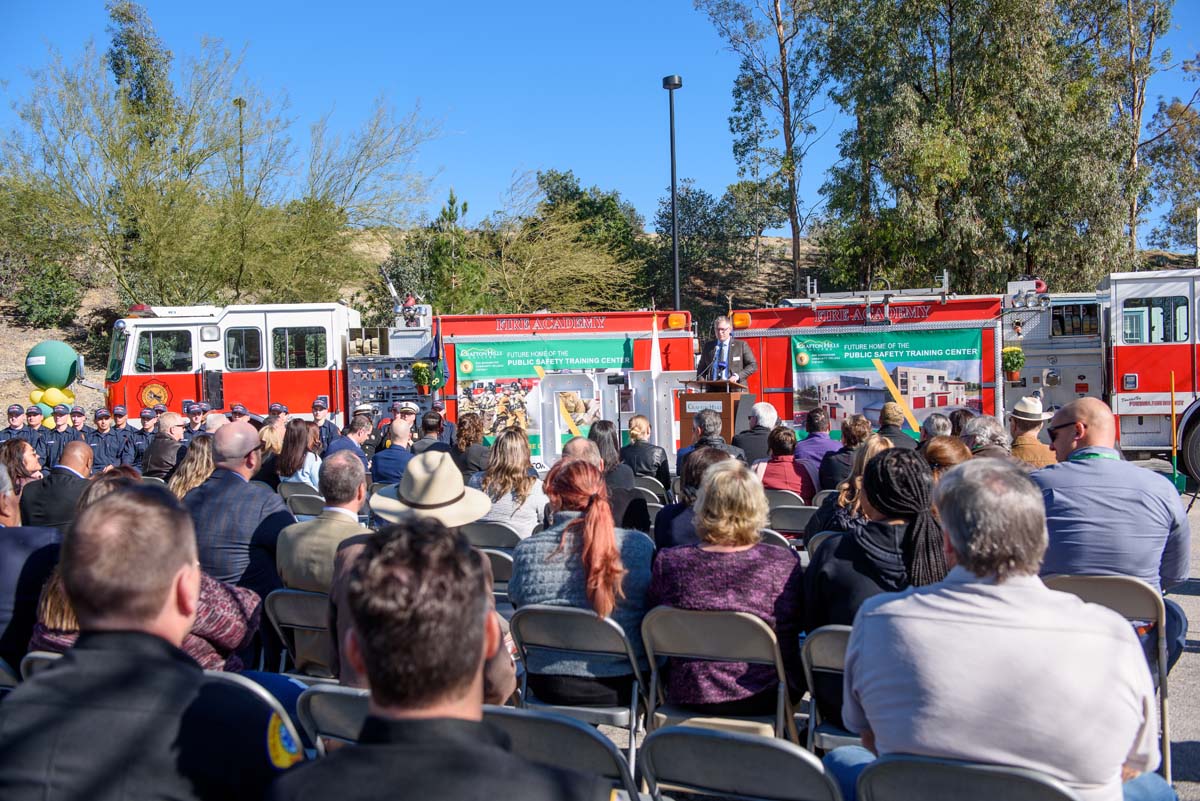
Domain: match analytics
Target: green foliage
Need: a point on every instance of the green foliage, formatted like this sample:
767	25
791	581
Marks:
1175	162
1012	359
47	296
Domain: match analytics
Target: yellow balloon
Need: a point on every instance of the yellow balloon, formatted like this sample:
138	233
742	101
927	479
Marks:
48	422
70	397
53	397
36	395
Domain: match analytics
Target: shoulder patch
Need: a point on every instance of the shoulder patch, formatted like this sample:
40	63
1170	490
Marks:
282	749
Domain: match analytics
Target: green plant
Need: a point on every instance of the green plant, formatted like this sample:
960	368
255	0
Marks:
1012	359
48	296
422	374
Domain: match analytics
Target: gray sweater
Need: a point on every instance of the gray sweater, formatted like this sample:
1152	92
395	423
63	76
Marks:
543	574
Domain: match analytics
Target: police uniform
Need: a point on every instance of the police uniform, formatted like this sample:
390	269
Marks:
109	449
130	435
14	411
55	442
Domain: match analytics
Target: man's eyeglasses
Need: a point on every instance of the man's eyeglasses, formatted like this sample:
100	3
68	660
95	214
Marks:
255	449
1052	431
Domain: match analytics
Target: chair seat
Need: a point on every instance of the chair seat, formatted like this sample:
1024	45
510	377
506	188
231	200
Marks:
671	715
828	737
596	715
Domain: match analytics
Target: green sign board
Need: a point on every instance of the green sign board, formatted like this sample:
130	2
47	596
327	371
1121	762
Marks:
520	359
859	351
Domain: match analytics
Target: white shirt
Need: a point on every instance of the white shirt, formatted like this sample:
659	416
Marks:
1010	674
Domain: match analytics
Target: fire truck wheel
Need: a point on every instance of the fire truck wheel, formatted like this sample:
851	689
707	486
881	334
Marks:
1191	450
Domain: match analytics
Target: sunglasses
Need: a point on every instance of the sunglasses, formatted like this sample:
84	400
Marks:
1052	431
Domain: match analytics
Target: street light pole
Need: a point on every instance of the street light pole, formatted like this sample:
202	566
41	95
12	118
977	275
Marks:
671	83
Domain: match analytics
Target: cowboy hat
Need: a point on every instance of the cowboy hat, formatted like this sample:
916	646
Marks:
432	487
1030	410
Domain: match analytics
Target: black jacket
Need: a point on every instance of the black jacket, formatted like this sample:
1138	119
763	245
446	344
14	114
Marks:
125	716
162	457
647	460
898	437
51	501
708	442
437	758
753	441
475	459
835	468
740	357
850	568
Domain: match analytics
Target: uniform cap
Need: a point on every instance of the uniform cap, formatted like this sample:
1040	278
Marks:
99	413
205	408
277	408
78	410
120	411
16	409
408	406
147	414
160	408
238	408
364	408
33	410
320	403
61	408
439	406
195	409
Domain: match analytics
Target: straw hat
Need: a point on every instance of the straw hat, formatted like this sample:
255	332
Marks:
432	486
1030	409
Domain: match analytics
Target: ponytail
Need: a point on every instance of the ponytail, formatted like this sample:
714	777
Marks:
578	486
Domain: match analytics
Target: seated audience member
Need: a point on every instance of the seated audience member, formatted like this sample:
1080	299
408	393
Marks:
270	436
986	437
470	454
935	425
811	451
584	562
730	569
51	501
629	510
226	617
643	457
706	433
213	421
891	417
942	453
389	463
432	425
675	523
27	558
81	728
896	544
839	511
298	462
449	433
19	458
357	433
783	472
305	552
423	627
1109	517
1024	424
990	666
517	497
608	441
753	441
958	421
836	465
194	468
167	448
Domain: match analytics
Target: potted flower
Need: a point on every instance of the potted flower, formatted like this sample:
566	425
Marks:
422	376
1012	359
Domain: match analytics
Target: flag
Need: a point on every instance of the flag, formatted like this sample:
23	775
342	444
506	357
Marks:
439	356
655	353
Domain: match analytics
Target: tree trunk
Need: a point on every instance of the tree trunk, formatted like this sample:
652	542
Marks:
789	144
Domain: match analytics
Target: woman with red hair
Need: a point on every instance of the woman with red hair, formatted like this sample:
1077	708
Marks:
583	561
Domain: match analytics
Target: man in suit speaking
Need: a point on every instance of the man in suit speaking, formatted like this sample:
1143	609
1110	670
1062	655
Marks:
726	357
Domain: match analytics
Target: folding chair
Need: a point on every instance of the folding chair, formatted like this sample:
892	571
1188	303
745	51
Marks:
772	537
651	483
1132	599
376	486
332	712
782	497
649	496
301	619
815	542
579	631
560	741
726	764
289	488
715	637
153	480
820	497
35	662
902	778
219	685
823	656
301	505
491	534
791	519
502	567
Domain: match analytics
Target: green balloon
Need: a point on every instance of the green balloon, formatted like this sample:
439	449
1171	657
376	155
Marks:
52	364
46	410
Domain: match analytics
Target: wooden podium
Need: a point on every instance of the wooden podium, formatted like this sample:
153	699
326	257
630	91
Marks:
721	396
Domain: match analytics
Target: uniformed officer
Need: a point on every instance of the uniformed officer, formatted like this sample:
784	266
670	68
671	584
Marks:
279	409
16	423
33	431
328	431
79	421
238	412
204	410
159	409
143	436
195	424
110	448
149	419
54	440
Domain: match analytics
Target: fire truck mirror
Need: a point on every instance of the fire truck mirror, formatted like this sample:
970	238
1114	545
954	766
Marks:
1051	378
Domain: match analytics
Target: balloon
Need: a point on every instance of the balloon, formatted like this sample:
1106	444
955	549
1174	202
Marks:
53	397
52	364
70	401
48	422
46	410
36	395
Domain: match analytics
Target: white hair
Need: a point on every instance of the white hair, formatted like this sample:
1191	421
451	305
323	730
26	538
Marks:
766	414
987	430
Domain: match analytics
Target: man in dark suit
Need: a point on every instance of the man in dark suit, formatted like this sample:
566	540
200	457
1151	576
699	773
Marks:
27	557
706	433
238	523
51	501
754	439
726	357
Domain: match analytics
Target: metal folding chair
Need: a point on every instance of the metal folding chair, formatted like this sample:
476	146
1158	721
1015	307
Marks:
903	778
332	712
823	656
791	519
491	534
772	537
782	497
289	488
35	662
301	619
305	505
651	483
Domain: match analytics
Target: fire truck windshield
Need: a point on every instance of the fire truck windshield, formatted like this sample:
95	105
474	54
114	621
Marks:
116	355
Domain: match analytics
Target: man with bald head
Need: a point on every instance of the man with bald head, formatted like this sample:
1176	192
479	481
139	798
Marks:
389	464
1106	516
238	522
51	501
628	511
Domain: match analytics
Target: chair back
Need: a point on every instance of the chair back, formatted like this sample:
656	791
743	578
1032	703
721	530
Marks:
302	504
567	628
376	486
559	741
902	778
294	611
153	480
729	764
815	541
35	662
772	537
502	567
653	484
289	488
823	657
225	690
332	712
820	497
715	636
491	534
791	519
647	495
783	497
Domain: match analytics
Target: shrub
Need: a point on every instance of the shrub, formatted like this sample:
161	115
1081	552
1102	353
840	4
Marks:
47	296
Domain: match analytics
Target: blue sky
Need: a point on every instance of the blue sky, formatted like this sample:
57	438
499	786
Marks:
516	87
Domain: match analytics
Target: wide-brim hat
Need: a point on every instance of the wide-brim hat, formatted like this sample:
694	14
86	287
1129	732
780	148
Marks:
432	487
1029	409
